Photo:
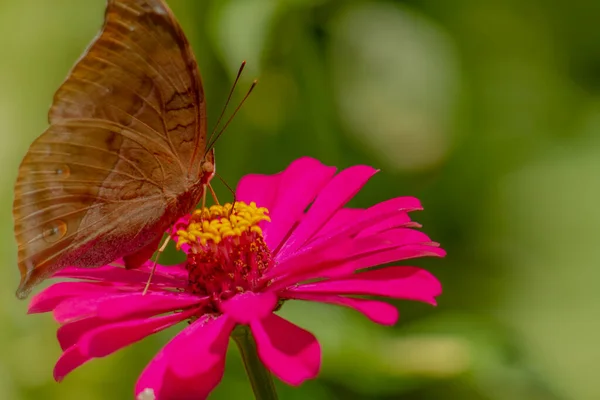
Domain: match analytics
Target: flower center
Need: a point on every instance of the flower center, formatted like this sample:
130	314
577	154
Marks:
227	253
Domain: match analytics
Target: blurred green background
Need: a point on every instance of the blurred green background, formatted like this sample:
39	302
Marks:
487	110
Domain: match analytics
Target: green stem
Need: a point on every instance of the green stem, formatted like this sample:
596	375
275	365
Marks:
260	378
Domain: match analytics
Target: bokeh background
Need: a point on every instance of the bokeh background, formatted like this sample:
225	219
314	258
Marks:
487	110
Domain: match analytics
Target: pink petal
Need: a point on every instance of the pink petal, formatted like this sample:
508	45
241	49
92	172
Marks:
377	311
122	305
111	274
68	361
245	307
200	346
400	220
300	183
347	216
261	189
390	239
75	308
69	334
290	352
50	298
316	263
408	283
196	387
203	368
379	258
342	268
376	214
107	339
370	216
341	218
331	198
176	272
114	306
150	303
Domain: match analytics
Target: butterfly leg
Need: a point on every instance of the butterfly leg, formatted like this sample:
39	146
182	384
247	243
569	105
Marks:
203	203
158	253
213	194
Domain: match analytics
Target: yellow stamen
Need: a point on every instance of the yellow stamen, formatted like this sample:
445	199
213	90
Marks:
217	222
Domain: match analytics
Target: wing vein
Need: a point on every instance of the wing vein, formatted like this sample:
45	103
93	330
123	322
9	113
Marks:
106	228
150	33
74	212
168	140
101	59
123	131
116	153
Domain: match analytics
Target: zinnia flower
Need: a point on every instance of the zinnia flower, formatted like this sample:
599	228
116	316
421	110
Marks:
288	236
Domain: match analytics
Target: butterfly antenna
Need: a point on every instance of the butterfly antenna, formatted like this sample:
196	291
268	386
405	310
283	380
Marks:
212	143
237	78
230	189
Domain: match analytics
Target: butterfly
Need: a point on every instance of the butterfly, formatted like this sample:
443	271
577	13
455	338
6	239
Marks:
125	154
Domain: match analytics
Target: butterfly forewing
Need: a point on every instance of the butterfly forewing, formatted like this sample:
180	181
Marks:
140	71
126	138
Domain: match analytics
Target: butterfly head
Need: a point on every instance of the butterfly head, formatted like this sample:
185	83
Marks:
208	167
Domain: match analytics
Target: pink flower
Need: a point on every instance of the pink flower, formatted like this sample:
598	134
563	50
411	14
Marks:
242	266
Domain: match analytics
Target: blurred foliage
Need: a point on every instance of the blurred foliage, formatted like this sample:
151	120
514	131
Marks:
488	111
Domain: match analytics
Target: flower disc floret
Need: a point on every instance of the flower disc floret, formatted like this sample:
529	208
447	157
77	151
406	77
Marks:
227	253
217	222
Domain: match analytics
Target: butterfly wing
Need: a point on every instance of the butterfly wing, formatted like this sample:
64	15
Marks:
126	138
140	71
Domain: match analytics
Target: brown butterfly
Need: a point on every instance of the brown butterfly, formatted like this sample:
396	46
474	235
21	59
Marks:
125	154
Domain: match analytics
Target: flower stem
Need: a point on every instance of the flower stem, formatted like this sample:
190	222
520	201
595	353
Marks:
260	378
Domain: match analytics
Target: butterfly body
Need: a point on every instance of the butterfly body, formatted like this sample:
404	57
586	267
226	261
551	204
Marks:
125	153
